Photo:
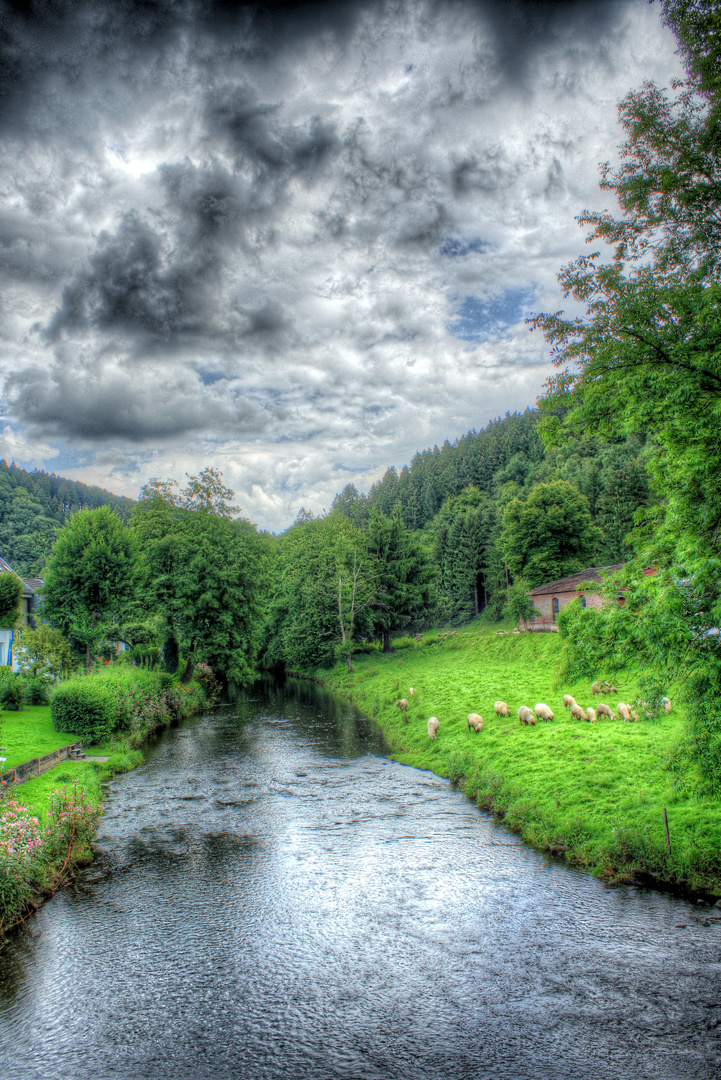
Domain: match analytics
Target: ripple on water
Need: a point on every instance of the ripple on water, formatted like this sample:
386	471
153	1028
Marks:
274	900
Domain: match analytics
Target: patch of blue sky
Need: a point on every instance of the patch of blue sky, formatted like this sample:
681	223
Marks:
482	320
209	378
67	458
453	247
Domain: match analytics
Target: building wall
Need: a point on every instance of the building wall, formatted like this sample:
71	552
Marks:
545	605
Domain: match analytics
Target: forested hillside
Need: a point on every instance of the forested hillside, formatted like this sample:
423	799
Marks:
457	496
33	504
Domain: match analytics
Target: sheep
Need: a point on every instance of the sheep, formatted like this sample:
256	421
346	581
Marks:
501	708
596	688
591	715
402	704
475	721
543	712
568	701
525	715
433	725
411	692
666	704
607	688
623	711
577	713
604	710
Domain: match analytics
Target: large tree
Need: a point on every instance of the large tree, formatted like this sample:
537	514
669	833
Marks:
405	574
549	535
91	580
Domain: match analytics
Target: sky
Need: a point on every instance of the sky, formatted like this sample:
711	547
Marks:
294	241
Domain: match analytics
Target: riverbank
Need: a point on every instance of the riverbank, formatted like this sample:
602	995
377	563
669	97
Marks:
593	794
48	822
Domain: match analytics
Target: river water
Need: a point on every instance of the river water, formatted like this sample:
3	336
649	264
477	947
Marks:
274	898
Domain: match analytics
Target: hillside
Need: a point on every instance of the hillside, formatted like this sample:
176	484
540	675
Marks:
34	504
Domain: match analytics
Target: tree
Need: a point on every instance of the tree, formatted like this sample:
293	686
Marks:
43	651
518	605
645	357
549	535
405	574
204	573
325	593
92	579
11	591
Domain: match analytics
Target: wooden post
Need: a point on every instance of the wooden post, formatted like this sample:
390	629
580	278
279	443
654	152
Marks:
668	838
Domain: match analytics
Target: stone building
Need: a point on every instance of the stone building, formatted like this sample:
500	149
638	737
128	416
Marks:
549	599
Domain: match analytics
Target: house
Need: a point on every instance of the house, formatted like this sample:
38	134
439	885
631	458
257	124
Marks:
549	599
28	604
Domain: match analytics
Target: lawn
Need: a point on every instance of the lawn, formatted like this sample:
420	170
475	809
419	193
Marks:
594	793
29	734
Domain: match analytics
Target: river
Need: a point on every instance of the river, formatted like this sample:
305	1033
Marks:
273	897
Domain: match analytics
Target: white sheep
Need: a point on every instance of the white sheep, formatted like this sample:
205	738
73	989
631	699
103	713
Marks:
577	713
475	721
525	715
604	710
543	712
402	704
666	704
411	692
501	708
433	725
623	711
591	715
568	701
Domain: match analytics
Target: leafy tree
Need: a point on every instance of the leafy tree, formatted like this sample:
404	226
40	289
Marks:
91	580
518	605
11	591
405	574
43	651
208	493
325	593
549	535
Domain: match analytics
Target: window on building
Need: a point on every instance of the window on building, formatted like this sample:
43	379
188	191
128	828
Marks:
555	607
583	601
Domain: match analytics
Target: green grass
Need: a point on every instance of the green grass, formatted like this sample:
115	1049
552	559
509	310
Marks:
29	734
594	793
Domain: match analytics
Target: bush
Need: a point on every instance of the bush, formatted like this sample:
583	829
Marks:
205	676
12	696
36	690
86	706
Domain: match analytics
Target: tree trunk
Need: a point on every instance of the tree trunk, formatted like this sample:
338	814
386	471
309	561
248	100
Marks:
386	641
188	673
349	662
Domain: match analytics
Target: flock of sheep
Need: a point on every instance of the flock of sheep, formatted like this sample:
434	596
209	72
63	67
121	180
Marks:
542	712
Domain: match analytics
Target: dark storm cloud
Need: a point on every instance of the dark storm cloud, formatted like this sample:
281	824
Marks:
108	403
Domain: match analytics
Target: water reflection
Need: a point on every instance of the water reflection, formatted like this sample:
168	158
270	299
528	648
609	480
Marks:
272	898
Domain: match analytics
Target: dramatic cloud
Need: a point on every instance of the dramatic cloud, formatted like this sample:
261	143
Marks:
297	241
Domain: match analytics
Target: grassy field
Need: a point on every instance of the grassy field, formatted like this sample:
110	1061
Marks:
29	733
594	793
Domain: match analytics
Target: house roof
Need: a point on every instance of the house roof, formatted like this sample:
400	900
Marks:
574	581
35	583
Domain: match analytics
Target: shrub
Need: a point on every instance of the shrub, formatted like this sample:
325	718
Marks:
87	706
205	676
12	696
36	690
72	822
22	844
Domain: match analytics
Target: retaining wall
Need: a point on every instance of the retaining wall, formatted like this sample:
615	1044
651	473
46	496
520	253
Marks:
36	766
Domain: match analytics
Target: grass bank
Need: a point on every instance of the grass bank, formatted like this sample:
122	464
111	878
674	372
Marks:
592	793
47	823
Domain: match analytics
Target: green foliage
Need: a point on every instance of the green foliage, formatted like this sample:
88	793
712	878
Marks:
42	651
36	690
404	574
91	582
11	591
518	606
549	535
12	696
326	588
86	706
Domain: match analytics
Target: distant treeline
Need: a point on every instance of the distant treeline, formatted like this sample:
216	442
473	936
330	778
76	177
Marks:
33	504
